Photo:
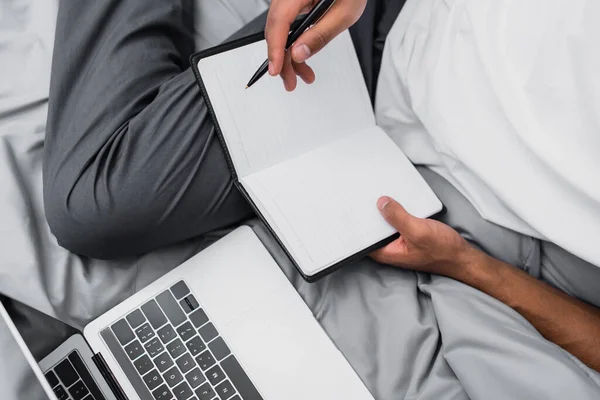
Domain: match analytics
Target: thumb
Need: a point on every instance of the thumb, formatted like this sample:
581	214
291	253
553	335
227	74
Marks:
334	22
397	216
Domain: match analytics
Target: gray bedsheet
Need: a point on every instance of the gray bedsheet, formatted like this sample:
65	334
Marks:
408	336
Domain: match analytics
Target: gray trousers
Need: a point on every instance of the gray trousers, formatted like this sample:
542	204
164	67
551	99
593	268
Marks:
132	162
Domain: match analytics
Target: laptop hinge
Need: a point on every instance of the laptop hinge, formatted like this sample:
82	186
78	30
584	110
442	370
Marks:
98	359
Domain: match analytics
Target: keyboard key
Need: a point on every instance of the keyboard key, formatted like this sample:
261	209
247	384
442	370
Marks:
180	289
240	380
163	362
166	334
198	318
136	318
215	375
172	377
205	392
185	306
171	308
186	331
154	314
60	393
134	349
189	304
225	390
205	360
78	391
162	393
196	346
219	348
176	348
236	397
144	333
66	373
122	331
154	347
185	363
183	391
51	378
153	379
208	332
195	378
143	365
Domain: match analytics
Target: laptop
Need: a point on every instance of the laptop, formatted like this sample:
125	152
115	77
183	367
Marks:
225	325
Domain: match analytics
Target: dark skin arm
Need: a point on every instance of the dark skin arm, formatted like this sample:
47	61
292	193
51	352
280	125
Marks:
427	245
431	246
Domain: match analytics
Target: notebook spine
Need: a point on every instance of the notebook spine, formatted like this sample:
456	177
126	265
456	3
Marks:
110	379
213	116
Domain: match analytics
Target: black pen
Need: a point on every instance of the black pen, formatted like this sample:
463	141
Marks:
311	18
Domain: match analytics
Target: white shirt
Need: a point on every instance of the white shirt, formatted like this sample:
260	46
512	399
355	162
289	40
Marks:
502	98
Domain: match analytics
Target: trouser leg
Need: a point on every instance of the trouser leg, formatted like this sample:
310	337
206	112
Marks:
132	161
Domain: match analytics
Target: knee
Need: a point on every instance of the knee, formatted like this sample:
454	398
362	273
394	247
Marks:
85	228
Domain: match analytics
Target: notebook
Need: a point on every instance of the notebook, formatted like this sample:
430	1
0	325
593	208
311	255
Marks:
312	163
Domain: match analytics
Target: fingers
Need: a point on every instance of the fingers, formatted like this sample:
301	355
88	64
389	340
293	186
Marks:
291	69
334	22
394	253
383	255
288	74
282	14
398	217
305	72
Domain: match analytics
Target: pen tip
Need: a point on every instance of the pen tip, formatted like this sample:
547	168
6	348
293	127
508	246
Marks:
247	87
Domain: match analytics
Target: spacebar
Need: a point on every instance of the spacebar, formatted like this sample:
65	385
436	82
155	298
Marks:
240	380
126	365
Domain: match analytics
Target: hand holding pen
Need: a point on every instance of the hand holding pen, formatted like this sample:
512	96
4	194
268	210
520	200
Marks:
288	64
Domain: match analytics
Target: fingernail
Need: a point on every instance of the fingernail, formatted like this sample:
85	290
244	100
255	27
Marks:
382	202
301	53
271	69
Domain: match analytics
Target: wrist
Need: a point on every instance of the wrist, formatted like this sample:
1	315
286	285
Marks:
473	267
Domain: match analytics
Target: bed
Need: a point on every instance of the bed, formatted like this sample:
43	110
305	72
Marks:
407	335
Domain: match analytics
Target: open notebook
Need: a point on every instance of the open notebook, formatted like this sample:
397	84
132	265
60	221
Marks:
313	162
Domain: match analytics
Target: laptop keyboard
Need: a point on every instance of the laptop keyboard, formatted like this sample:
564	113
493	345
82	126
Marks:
71	380
169	349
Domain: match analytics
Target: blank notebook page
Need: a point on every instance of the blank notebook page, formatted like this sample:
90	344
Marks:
322	204
264	125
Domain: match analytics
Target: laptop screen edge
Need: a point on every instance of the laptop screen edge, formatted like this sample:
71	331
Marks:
25	350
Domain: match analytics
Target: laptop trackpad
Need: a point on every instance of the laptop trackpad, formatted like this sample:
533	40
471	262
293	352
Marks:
287	354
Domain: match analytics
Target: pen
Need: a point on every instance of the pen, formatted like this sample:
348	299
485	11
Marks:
311	18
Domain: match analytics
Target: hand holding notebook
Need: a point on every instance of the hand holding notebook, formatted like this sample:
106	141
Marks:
312	163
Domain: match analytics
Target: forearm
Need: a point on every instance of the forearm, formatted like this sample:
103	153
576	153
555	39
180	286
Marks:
560	318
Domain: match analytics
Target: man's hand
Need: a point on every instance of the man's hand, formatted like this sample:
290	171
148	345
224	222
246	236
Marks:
342	15
430	246
424	245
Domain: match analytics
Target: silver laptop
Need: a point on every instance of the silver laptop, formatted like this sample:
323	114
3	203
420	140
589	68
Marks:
225	325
